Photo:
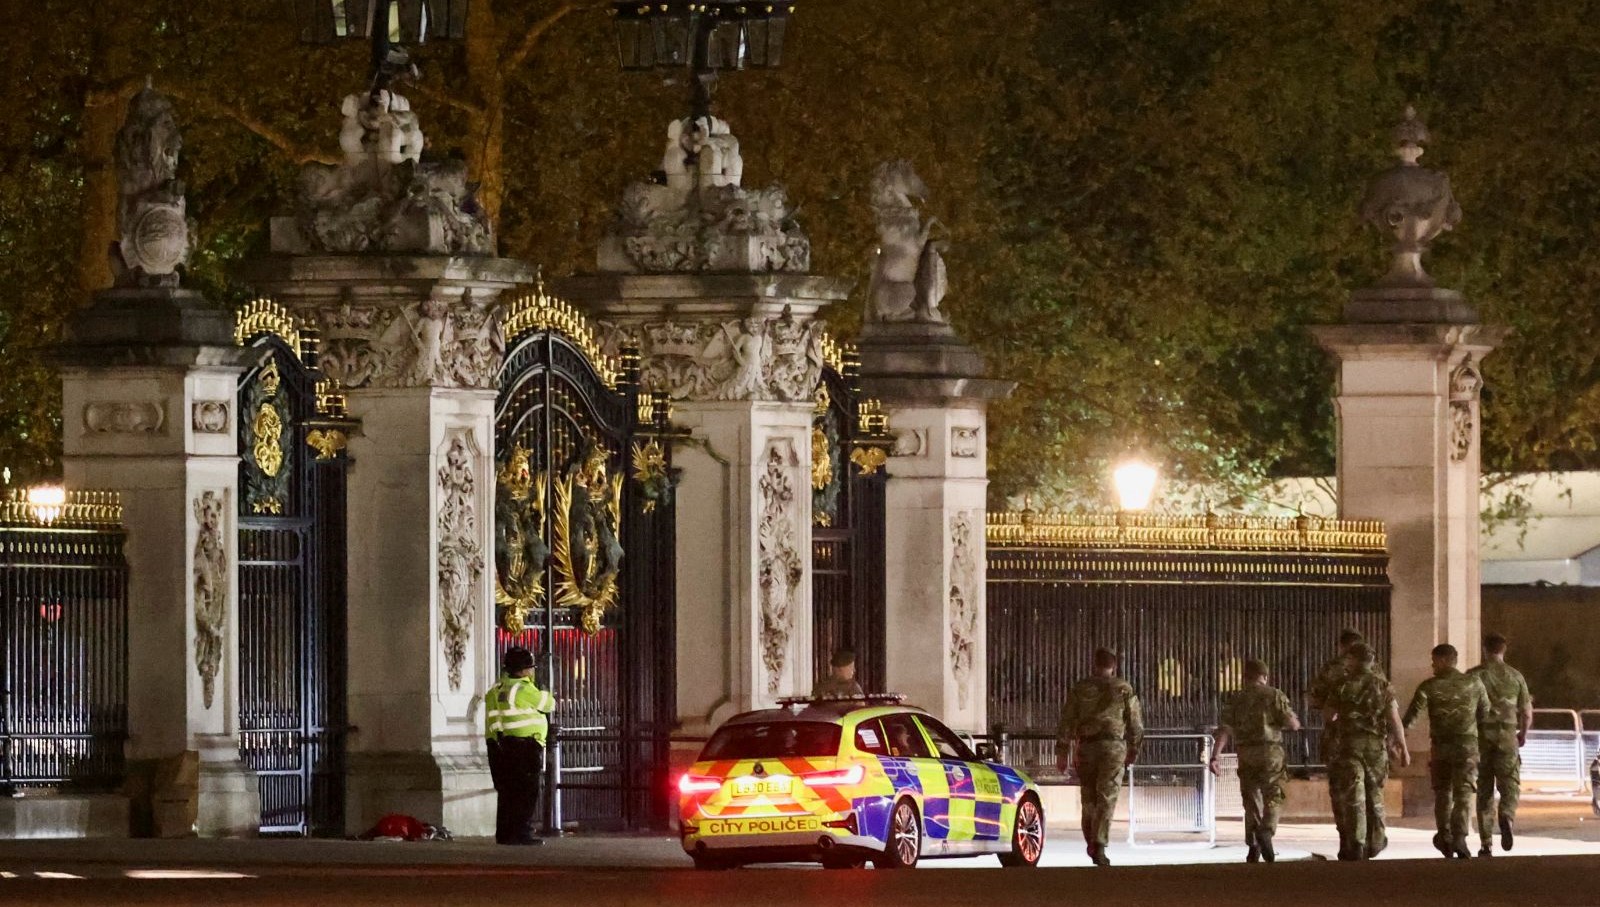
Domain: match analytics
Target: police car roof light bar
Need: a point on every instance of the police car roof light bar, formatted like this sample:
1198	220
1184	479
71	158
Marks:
869	699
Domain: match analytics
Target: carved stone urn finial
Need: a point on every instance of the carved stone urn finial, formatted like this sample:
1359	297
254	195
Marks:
1412	202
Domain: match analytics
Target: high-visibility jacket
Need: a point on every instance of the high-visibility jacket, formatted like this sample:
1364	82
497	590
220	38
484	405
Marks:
516	707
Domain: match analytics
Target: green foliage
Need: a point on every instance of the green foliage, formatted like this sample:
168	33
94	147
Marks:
1147	200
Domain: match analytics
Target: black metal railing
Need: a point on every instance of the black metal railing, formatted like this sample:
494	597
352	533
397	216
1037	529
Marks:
1184	601
64	625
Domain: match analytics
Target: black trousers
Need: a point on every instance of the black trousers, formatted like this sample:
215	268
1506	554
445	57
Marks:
516	765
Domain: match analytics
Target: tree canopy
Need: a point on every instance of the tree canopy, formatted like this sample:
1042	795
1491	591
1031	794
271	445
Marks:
1147	200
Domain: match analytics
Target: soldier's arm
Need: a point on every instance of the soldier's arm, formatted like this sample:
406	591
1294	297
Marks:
1398	730
1291	721
1066	737
1135	726
1524	710
1419	701
1223	738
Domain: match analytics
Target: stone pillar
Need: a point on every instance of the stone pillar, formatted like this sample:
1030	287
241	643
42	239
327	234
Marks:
1409	355
414	341
149	378
145	373
741	355
936	398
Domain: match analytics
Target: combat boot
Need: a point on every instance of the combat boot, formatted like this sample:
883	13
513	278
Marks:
1462	851
1252	854
1486	850
1265	843
1442	844
1097	853
1506	837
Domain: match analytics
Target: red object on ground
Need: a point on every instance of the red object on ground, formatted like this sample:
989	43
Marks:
395	825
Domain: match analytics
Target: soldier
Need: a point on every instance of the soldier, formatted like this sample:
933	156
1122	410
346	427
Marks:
840	682
1100	733
1365	711
1254	719
1456	704
1504	732
1330	675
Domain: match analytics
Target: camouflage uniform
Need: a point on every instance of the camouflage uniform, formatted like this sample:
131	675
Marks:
1499	764
1359	762
831	687
1329	676
1102	716
1456	703
1256	717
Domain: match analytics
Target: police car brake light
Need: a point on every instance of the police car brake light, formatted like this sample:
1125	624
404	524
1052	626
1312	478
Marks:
698	784
855	774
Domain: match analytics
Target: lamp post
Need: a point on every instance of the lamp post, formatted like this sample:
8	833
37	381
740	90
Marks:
704	36
1135	480
389	25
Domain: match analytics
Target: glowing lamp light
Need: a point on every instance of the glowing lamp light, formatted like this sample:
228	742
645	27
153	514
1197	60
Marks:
1135	481
46	502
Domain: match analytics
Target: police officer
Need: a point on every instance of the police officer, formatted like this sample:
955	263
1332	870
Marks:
1254	719
1456	704
1100	731
1504	731
516	721
840	682
1364	708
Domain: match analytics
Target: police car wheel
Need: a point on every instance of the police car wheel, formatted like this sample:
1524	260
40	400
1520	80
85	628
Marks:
905	838
1027	837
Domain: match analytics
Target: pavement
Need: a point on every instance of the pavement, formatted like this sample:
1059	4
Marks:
1556	862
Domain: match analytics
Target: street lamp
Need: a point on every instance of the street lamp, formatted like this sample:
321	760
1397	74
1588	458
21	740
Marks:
1135	481
704	36
388	24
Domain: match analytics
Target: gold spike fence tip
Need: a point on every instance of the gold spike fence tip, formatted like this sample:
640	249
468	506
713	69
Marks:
81	509
540	312
835	353
1177	532
266	316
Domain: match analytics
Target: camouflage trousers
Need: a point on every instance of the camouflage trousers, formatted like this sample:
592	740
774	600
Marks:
1499	768
1356	773
1100	770
1453	769
1261	782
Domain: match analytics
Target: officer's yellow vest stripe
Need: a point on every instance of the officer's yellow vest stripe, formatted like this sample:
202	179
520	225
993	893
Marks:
517	709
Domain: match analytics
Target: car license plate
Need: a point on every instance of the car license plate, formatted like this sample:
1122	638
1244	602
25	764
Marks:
750	787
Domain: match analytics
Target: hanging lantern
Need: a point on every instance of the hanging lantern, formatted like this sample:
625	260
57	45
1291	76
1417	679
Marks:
656	35
408	21
764	27
708	36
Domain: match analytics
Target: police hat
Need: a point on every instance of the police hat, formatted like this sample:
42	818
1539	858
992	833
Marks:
516	659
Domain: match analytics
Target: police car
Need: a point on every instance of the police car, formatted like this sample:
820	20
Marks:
842	782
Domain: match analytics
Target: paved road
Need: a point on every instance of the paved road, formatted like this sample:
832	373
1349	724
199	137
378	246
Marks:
1544	881
602	871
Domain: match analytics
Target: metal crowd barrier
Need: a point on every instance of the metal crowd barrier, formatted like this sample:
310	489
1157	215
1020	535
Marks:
1556	753
1171	795
1171	790
1589	721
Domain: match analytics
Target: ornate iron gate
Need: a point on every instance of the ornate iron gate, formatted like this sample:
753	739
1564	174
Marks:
1185	600
848	453
291	578
584	557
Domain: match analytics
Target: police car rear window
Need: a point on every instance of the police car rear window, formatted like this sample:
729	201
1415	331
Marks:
773	740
